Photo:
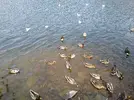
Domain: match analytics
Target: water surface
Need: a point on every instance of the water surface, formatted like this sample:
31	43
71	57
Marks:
30	31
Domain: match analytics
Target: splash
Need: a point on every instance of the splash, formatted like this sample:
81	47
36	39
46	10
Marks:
78	14
59	5
46	26
103	6
27	29
87	4
79	22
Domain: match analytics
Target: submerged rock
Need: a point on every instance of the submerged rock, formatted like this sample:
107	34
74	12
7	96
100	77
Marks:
95	96
70	94
2	89
31	81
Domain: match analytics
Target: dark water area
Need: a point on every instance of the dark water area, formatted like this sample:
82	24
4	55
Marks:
30	32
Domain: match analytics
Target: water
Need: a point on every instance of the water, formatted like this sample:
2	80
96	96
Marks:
30	31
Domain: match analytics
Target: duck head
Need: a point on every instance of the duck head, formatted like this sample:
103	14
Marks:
39	98
121	77
127	51
82	45
62	38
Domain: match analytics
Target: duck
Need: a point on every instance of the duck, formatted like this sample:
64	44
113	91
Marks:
34	95
88	65
70	80
113	70
62	55
70	94
127	52
87	56
110	87
119	75
97	84
62	38
63	47
81	45
84	35
122	96
132	30
71	56
68	66
14	70
96	76
50	62
105	61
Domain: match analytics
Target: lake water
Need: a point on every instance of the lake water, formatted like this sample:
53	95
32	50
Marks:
30	32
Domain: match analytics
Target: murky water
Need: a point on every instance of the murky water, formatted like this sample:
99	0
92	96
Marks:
30	32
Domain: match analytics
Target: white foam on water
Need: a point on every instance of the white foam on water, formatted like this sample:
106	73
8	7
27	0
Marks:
59	5
78	14
27	29
87	4
103	6
79	22
46	26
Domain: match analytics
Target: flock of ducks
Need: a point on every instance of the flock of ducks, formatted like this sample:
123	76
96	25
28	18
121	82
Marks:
96	79
132	30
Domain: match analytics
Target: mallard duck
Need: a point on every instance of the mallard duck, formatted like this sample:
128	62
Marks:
63	47
34	95
68	66
105	61
70	94
71	56
96	76
132	29
70	80
84	35
89	65
97	84
50	62
14	70
87	56
113	70
119	75
122	96
110	87
62	38
62	55
127	52
81	45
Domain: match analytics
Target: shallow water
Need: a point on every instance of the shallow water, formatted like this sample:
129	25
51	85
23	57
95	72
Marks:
30	31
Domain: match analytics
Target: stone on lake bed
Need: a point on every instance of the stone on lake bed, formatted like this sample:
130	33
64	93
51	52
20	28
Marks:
2	89
63	92
81	75
70	94
51	72
85	97
31	81
95	96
